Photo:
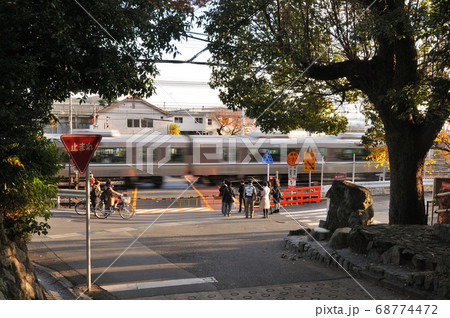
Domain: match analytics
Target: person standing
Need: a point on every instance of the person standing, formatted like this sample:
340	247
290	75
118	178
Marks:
227	198
265	200
276	196
250	197
241	196
95	193
221	189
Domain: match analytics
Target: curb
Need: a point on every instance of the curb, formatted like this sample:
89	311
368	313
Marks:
56	285
386	275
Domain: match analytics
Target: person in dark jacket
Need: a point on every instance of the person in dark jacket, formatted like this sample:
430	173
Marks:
221	188
227	198
95	193
276	196
241	195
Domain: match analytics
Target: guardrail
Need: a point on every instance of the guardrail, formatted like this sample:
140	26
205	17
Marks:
69	194
378	187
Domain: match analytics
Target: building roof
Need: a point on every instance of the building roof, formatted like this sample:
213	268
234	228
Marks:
134	99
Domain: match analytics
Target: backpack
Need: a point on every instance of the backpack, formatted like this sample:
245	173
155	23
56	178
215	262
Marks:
249	191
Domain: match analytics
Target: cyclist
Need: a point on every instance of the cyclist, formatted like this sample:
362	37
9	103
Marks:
111	199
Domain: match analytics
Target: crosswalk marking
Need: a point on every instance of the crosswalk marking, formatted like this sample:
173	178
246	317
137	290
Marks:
315	211
309	218
142	211
318	214
158	284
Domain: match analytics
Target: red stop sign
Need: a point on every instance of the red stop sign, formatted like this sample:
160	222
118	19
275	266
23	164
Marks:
81	148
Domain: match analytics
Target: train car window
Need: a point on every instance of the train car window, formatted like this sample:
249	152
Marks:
109	155
346	154
251	153
176	155
323	152
226	154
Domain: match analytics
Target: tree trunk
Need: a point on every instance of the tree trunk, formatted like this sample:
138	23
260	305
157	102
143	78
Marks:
407	159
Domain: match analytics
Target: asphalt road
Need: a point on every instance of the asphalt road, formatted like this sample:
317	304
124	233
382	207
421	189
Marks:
178	251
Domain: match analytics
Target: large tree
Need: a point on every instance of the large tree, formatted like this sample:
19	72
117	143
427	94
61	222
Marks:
50	48
291	63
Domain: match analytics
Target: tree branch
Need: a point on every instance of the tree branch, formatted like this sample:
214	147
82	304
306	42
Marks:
353	70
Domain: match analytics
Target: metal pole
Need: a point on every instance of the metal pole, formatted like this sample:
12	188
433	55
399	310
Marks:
88	232
242	122
267	172
70	132
70	113
353	172
321	175
309	178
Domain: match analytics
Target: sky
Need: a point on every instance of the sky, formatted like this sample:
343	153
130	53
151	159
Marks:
185	85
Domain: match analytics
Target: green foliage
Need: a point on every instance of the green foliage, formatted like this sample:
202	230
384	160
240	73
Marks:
28	186
290	63
53	47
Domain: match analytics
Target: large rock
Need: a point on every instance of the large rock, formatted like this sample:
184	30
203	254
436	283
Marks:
319	234
339	239
350	206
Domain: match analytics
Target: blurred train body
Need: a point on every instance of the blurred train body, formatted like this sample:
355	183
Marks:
151	157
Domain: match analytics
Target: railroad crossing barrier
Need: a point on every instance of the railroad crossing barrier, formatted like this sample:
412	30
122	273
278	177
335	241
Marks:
300	195
190	201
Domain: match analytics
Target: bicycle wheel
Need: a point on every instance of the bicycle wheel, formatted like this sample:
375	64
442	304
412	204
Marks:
80	207
100	211
126	211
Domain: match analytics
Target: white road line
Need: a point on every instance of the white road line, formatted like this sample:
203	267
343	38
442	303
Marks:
122	229
58	236
158	284
304	220
172	210
305	211
318	214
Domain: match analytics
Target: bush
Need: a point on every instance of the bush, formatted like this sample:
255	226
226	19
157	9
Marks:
28	185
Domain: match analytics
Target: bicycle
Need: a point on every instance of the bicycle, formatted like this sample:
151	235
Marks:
80	207
124	207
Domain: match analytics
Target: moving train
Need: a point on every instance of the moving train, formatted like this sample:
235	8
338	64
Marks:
151	157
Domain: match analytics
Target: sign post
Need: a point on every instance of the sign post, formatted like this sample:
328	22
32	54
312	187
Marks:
292	159
88	233
267	158
309	163
81	148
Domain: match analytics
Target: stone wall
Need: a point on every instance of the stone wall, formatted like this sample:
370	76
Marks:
17	278
413	258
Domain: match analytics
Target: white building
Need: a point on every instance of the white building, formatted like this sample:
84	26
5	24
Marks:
131	115
194	122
